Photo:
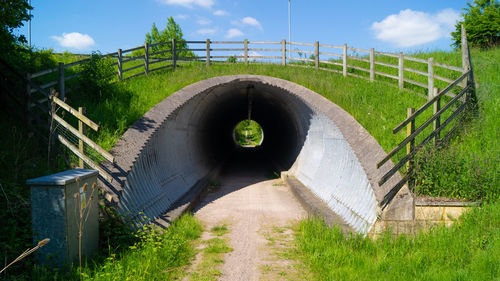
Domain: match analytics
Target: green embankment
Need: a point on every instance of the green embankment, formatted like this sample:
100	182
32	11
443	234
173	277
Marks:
467	168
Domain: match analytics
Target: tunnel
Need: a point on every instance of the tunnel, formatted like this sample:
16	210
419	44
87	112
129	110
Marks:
184	141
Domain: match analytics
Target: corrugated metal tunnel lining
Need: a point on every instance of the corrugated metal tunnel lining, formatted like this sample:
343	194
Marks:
183	140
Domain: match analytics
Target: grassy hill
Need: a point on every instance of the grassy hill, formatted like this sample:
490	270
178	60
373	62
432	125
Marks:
466	168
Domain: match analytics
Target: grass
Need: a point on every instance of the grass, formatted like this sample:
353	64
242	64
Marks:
157	255
212	255
466	251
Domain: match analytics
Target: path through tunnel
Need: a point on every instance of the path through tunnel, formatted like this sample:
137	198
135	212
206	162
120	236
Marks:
187	139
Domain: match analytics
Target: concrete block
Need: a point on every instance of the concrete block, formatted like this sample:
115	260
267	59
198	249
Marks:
429	213
454	213
55	207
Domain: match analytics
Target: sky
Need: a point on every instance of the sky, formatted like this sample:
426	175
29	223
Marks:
83	26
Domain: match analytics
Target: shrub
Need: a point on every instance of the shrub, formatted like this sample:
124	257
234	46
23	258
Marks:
96	73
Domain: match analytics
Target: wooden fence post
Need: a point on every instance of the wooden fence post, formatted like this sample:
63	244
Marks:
146	58
437	122
208	53
410	147
120	66
372	65
283	52
245	46
61	81
81	145
344	60
174	59
430	78
28	91
400	71
316	54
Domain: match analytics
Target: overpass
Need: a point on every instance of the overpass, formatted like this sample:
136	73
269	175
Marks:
180	145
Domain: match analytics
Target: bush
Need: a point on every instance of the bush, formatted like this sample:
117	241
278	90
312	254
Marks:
96	73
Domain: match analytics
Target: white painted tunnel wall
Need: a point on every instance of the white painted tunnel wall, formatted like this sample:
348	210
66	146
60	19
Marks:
330	169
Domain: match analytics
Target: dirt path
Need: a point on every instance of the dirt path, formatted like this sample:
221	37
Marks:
250	204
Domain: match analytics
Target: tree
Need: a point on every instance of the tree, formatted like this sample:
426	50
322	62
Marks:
172	31
482	24
12	15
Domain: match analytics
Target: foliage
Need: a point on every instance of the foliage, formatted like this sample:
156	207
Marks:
96	73
248	132
232	59
171	31
466	251
482	24
12	15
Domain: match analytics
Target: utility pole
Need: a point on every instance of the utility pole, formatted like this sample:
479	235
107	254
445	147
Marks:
289	29
29	27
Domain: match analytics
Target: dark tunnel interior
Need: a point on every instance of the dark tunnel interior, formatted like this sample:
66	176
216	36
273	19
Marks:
283	117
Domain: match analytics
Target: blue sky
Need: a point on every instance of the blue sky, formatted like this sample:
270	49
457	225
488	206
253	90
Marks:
393	25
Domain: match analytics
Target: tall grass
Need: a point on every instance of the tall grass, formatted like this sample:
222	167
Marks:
466	251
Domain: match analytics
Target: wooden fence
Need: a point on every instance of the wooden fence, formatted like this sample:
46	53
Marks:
341	59
458	105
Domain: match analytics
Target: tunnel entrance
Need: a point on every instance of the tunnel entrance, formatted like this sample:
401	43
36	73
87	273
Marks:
188	138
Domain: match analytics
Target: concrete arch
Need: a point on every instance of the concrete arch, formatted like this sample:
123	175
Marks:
180	143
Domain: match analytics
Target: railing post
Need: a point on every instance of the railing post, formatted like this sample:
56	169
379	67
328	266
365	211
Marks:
61	81
316	54
437	122
146	58
410	147
174	59
245	45
283	52
28	92
82	130
344	60
430	78
120	66
400	71
208	53
372	65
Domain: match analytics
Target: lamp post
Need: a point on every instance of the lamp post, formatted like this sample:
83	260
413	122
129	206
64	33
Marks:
29	27
289	28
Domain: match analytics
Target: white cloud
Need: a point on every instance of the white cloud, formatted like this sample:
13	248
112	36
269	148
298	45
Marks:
233	32
181	17
252	22
189	3
204	21
221	13
412	28
74	40
207	31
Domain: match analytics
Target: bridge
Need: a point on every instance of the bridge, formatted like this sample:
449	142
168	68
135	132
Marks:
183	143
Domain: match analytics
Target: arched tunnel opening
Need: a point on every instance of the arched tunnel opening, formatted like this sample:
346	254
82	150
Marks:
284	120
183	142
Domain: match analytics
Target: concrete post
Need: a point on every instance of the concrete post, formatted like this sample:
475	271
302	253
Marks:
61	204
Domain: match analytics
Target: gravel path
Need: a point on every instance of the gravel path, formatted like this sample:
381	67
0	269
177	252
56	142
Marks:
249	203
